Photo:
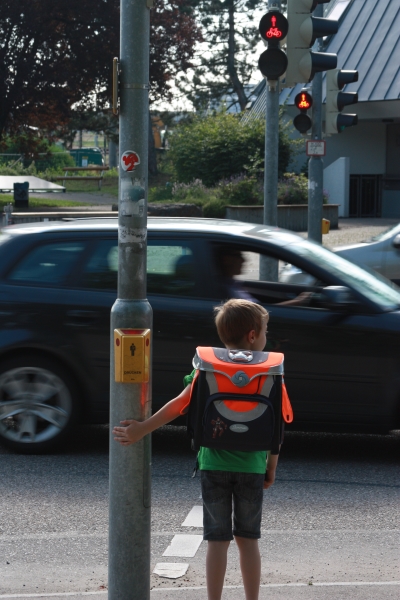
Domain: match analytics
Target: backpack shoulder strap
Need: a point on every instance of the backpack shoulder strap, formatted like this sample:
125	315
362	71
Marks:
186	407
287	410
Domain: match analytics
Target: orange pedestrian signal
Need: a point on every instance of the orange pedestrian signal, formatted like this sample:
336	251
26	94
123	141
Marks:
303	101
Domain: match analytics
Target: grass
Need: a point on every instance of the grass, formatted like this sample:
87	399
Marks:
40	202
109	186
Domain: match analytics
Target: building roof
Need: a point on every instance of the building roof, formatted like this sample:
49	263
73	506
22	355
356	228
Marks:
368	41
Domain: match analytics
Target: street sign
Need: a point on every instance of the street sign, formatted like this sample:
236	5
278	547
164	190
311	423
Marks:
315	147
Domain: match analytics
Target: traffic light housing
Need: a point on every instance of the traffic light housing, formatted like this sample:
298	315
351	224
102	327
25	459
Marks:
303	101
336	100
273	29
303	31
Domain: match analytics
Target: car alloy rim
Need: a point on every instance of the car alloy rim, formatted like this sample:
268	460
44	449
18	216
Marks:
35	405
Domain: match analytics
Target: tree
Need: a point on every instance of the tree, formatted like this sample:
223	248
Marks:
227	61
55	56
52	55
220	146
173	36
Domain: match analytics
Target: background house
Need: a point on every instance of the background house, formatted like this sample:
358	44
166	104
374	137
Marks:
362	164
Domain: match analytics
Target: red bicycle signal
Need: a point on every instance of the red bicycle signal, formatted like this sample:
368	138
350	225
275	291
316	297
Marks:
273	27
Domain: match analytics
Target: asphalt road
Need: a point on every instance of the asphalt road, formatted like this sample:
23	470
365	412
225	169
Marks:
330	527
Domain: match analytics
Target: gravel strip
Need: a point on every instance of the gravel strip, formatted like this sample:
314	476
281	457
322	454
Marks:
353	231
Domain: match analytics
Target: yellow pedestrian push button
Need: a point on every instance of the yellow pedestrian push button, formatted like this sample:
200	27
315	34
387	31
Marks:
326	224
132	355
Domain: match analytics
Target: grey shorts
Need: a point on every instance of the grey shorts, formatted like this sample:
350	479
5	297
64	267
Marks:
221	489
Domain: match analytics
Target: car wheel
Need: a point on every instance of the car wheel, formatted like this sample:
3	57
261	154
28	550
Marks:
37	404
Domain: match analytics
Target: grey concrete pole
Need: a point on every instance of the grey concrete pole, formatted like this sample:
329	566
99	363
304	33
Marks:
316	164
130	491
268	266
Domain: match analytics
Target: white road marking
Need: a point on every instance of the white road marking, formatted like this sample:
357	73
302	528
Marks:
54	595
171	570
281	585
194	518
199	587
184	545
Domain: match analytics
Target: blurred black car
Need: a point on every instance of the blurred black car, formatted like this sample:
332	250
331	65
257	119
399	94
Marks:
58	282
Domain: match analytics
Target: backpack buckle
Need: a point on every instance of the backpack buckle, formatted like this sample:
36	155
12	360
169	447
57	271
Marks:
240	355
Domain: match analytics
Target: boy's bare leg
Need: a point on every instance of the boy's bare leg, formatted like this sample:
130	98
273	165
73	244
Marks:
216	560
250	565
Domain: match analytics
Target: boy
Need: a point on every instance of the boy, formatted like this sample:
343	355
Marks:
225	475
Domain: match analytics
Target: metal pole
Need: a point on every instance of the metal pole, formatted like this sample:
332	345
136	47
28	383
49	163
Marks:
129	520
316	164
269	266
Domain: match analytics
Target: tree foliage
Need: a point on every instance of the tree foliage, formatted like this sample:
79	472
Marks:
173	36
52	55
227	60
221	146
55	55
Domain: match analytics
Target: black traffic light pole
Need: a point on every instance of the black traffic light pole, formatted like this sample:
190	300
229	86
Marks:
316	164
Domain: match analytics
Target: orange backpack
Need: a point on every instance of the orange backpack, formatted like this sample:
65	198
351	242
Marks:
238	400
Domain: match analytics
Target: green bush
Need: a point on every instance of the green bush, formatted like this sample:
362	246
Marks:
214	209
241	191
18	168
195	191
56	159
160	194
221	146
293	189
47	159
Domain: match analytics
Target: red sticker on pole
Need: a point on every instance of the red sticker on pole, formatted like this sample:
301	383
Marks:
129	160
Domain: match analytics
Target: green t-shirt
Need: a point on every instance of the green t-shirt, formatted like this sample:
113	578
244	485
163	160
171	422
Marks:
229	460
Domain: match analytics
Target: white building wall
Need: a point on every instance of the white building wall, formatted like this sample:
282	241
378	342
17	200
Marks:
337	184
364	144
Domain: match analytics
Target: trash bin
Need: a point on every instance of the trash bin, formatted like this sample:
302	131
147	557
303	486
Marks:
87	156
21	195
325	225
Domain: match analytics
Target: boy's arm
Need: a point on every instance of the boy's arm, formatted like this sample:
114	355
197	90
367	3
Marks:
272	463
132	431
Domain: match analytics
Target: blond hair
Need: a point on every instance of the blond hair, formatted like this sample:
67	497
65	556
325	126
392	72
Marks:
236	318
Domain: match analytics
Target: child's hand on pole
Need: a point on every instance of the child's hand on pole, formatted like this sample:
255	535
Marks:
130	432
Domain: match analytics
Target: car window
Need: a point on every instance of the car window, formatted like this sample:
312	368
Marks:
249	274
101	270
47	264
287	273
372	285
170	268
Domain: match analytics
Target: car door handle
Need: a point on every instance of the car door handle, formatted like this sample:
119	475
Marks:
80	318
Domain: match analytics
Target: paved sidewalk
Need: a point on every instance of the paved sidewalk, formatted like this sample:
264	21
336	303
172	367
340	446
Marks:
295	591
353	231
